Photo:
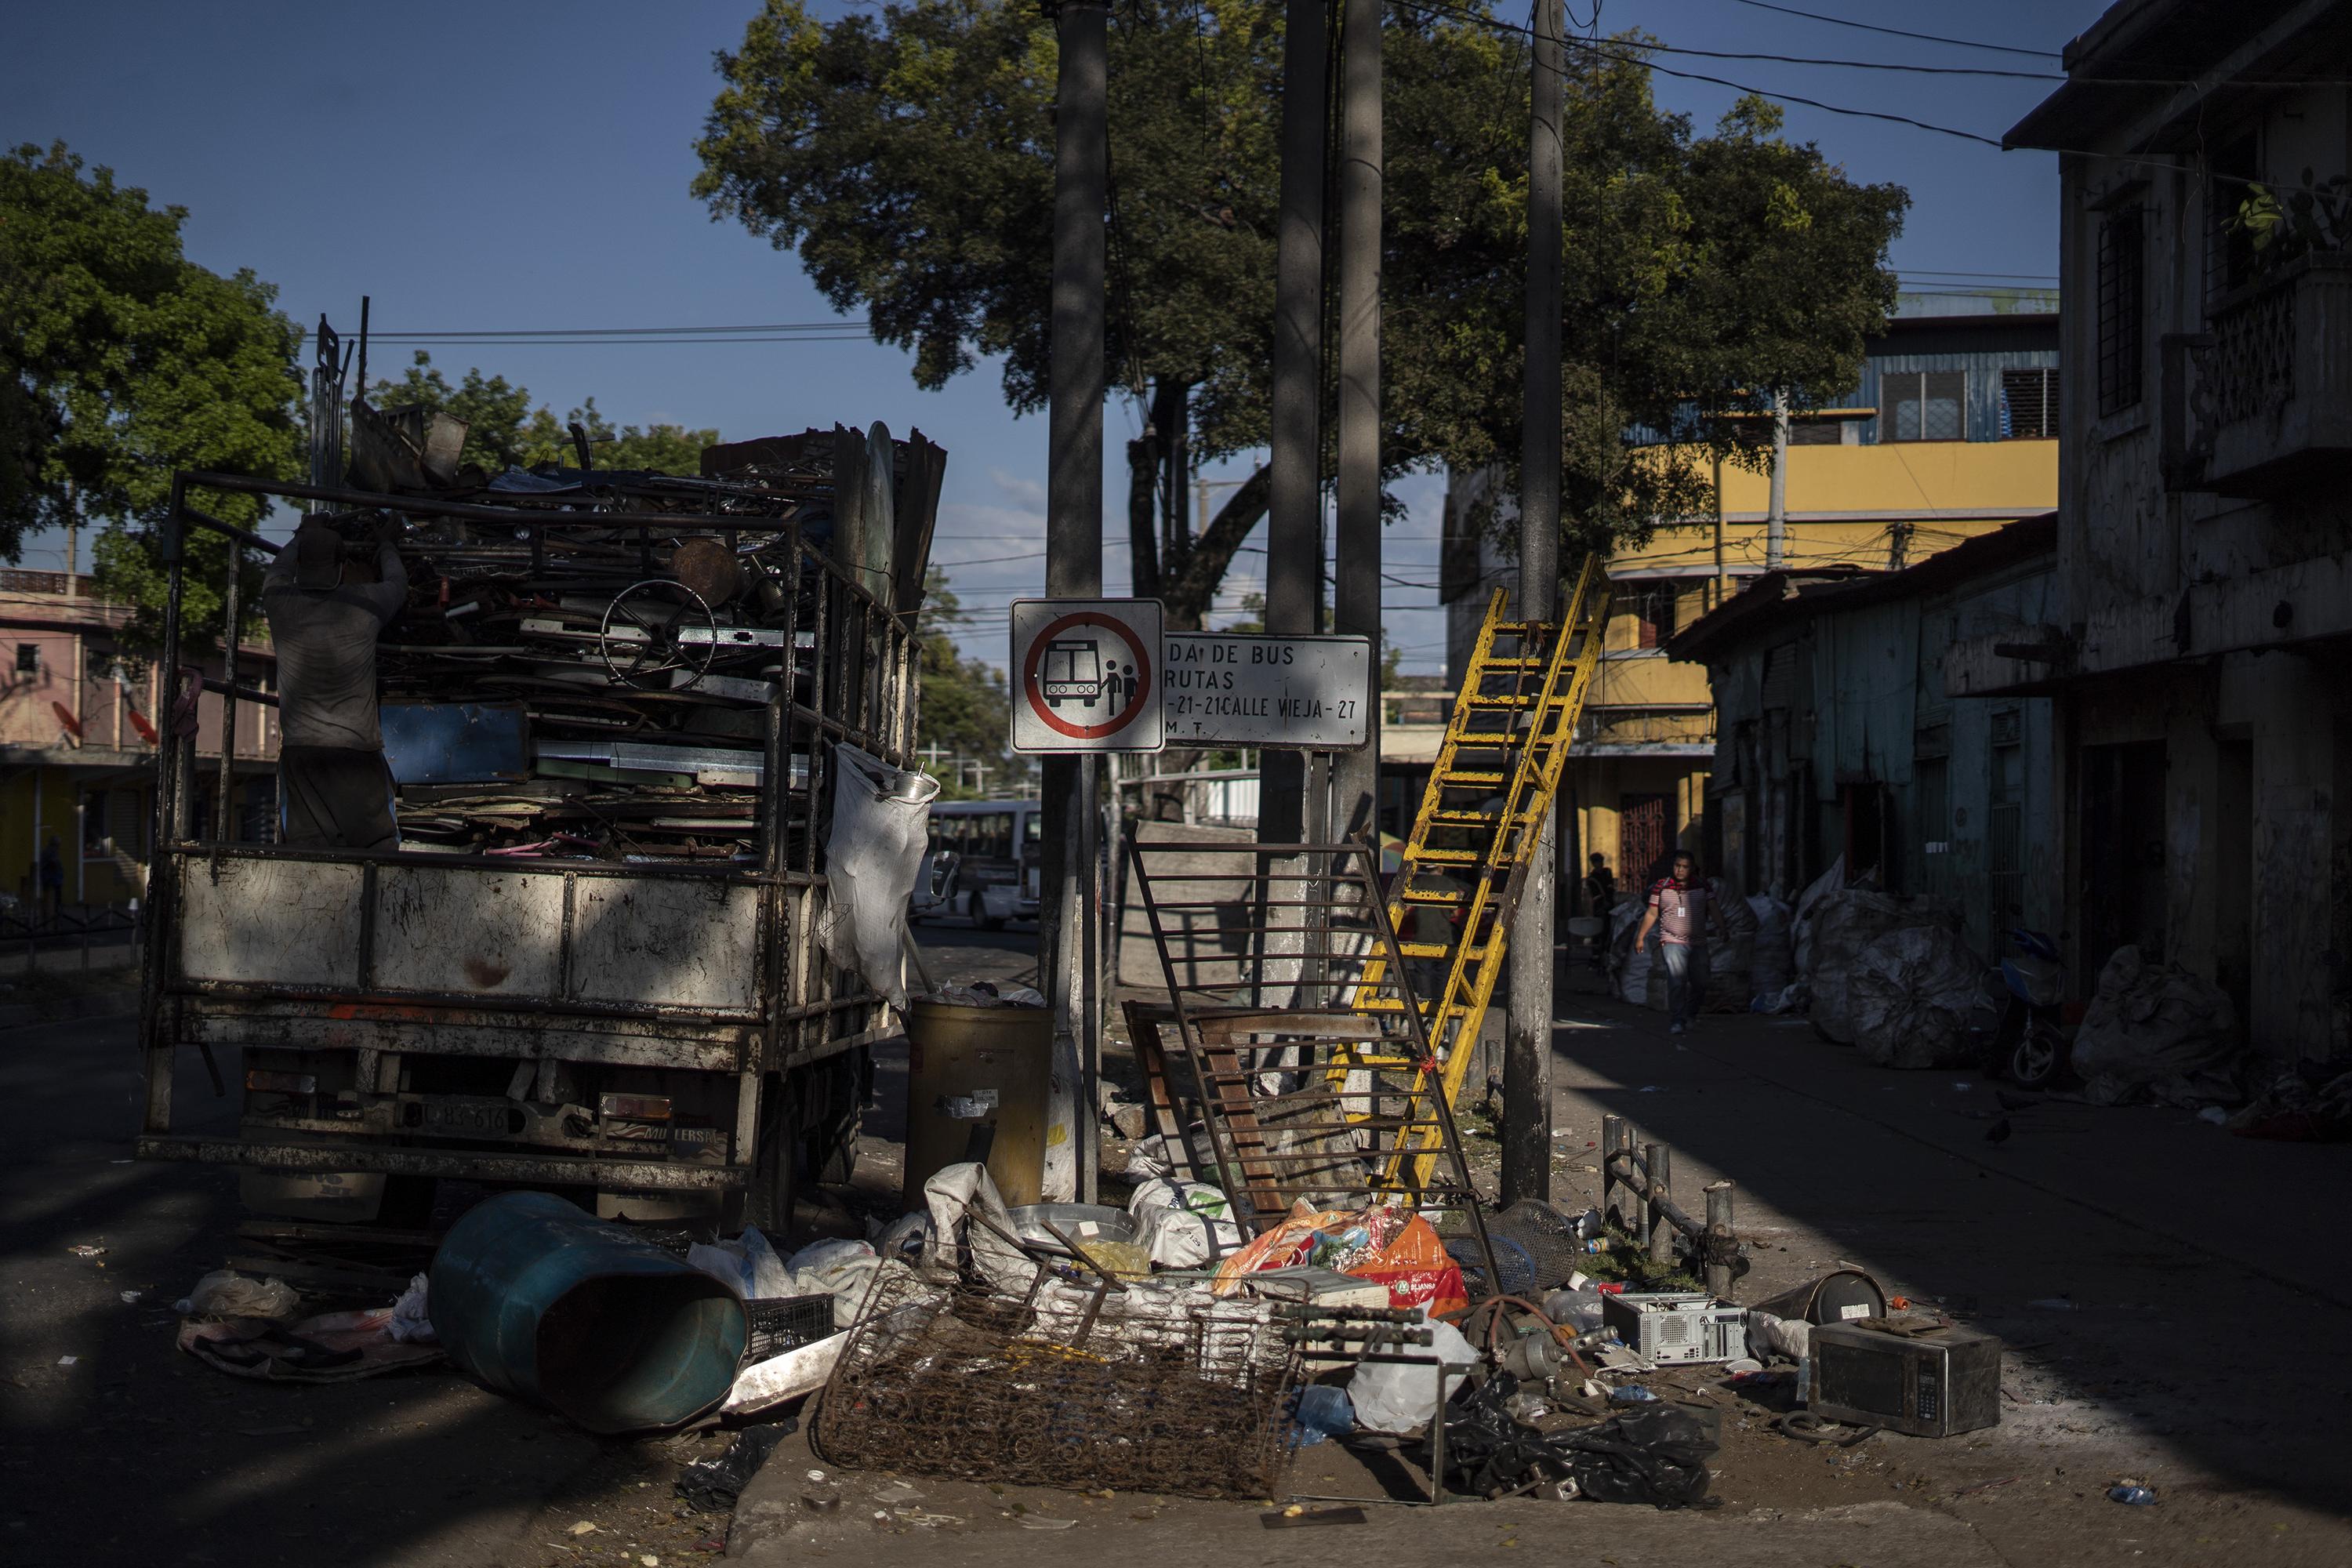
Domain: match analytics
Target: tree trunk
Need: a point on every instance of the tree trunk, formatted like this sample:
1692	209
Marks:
1187	590
1143	538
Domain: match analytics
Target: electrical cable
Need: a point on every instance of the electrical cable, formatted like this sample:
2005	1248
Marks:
1899	33
1589	46
1860	65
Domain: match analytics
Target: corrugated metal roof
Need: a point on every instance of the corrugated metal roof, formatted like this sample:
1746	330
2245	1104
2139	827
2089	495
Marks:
1779	597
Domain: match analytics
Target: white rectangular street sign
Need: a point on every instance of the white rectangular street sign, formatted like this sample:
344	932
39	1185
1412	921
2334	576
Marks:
1086	675
1234	689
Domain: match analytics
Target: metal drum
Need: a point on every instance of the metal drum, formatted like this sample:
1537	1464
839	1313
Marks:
534	1298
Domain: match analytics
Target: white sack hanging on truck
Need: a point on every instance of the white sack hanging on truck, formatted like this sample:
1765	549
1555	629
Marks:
881	820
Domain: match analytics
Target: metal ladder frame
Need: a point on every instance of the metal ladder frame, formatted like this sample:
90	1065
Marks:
1497	871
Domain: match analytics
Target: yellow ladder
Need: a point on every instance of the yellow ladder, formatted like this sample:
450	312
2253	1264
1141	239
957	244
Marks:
1493	784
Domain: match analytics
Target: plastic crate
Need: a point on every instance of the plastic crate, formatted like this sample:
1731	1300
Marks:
780	1323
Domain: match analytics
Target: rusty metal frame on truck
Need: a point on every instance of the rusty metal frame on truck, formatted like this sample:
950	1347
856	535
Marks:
567	971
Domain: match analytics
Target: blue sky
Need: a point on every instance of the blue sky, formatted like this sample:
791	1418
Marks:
507	166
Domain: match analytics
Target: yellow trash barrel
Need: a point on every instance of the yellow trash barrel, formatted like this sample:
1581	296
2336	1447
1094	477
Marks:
974	1067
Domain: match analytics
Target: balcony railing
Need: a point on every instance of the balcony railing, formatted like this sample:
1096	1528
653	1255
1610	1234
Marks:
2271	410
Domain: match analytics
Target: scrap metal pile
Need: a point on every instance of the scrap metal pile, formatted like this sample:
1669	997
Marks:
563	687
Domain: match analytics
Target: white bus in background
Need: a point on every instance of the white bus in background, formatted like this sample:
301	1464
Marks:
982	862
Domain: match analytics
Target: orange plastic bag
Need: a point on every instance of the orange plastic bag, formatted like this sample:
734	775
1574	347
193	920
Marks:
1397	1247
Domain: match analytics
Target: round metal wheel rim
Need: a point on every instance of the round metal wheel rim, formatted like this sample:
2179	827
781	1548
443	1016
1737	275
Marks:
2032	1060
672	656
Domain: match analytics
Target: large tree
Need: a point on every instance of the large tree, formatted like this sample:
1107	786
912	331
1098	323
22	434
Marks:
121	359
503	431
905	152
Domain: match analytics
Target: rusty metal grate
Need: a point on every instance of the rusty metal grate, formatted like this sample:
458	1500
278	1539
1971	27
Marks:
1056	1390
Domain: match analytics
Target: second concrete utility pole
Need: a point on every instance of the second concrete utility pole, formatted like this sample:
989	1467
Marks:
1527	1040
1074	570
1356	556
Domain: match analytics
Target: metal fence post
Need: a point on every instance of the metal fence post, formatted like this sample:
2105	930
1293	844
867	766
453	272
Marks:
1611	1126
1659	1159
1718	1232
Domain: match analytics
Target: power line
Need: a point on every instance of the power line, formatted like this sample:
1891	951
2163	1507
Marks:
1860	65
1498	25
1899	33
383	335
1790	97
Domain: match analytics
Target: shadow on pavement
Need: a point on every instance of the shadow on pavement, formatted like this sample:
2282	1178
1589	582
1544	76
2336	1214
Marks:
2125	1225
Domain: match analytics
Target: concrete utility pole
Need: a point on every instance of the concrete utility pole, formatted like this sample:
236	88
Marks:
1527	1042
1721	586
1776	519
1294	528
1074	570
1356	558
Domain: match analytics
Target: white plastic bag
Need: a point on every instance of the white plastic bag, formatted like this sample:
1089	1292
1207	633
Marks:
1183	1225
410	1325
2158	1031
748	1265
873	851
1402	1396
954	1195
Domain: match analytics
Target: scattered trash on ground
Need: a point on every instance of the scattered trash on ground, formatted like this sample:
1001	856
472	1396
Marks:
225	1293
713	1485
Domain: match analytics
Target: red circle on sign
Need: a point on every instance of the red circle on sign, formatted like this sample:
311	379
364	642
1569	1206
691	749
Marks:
1034	697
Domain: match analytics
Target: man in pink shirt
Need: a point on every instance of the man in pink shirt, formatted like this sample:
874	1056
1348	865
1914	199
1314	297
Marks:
1683	913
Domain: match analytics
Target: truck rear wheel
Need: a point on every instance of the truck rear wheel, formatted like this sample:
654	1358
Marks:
776	1170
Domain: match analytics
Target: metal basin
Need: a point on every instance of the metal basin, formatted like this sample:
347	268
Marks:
1079	1222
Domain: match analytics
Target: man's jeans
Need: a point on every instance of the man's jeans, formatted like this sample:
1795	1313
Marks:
1686	979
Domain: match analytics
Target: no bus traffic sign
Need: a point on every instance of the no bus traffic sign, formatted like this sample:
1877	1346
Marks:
1086	675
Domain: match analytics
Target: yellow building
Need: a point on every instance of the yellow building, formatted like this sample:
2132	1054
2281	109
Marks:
79	722
1951	435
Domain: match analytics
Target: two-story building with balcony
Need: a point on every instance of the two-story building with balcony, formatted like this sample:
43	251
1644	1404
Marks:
79	720
2201	626
1949	435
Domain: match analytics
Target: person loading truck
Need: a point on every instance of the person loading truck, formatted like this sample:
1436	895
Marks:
326	603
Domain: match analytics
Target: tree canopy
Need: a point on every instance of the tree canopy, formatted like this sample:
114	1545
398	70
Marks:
503	431
905	153
966	709
121	359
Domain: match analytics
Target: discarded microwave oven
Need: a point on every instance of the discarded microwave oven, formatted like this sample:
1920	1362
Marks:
1925	1385
1677	1327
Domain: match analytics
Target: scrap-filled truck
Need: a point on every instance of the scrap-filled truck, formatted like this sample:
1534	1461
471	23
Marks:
596	962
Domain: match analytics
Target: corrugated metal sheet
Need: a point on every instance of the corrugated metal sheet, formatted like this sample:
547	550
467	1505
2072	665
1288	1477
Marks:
1866	666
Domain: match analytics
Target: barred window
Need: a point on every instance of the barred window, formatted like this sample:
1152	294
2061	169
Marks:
2029	404
2122	278
1923	406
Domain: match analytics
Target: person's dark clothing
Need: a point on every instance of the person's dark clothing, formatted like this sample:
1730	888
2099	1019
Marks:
326	651
334	791
335	798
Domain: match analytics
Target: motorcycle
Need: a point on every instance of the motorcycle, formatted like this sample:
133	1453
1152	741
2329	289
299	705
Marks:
2030	1045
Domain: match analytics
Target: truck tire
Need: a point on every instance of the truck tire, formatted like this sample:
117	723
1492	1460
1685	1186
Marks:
775	1166
978	907
837	1109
